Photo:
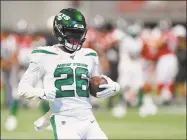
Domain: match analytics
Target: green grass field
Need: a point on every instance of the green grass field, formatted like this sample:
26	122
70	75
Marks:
169	123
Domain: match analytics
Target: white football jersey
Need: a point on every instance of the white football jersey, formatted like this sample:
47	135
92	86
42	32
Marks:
130	70
68	73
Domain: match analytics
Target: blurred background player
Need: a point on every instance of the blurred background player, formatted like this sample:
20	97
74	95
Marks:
26	41
166	62
21	29
9	52
131	77
180	33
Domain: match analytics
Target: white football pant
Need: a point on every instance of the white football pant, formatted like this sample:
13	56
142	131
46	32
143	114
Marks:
66	127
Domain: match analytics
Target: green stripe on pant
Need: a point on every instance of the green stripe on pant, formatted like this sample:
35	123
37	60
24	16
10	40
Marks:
52	120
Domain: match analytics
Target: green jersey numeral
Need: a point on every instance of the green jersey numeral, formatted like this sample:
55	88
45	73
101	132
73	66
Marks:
66	80
81	82
66	76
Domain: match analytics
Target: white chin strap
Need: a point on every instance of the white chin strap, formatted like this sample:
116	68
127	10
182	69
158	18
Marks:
72	47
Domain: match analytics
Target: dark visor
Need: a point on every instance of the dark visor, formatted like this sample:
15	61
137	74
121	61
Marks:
74	34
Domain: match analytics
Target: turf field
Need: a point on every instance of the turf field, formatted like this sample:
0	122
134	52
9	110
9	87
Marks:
170	123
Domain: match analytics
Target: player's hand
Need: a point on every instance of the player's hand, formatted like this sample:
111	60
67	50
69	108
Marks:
111	88
49	95
40	93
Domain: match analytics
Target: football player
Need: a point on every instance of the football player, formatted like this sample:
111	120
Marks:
9	53
65	70
180	32
167	66
132	76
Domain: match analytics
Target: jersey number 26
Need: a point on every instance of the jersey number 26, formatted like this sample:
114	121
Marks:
80	77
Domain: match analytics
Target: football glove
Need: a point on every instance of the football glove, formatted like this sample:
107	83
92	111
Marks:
111	88
39	93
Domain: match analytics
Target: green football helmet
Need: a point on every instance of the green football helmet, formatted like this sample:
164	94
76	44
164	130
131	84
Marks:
70	28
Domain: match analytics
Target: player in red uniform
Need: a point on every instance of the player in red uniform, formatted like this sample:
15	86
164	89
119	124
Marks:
167	66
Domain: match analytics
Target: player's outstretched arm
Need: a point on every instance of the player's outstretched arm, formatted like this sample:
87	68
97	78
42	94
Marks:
111	88
27	84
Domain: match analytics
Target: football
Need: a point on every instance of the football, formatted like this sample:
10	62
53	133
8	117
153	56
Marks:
94	84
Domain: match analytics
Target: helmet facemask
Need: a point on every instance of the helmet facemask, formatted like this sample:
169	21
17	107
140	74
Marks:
74	38
71	38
